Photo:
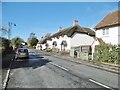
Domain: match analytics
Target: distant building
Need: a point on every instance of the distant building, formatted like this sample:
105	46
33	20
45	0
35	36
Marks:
44	44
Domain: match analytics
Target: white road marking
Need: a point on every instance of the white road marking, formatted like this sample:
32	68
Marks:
6	78
59	66
100	84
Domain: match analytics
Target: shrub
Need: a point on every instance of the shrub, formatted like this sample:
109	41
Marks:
48	50
107	53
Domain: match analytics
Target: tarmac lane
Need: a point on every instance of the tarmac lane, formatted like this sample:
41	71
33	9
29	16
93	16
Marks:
40	72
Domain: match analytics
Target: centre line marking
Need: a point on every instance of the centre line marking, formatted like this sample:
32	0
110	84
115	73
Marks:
100	84
59	66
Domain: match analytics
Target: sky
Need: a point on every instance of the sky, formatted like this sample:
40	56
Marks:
45	17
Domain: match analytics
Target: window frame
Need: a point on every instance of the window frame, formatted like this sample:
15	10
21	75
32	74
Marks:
106	31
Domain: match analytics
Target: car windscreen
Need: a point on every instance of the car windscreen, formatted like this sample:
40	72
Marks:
22	50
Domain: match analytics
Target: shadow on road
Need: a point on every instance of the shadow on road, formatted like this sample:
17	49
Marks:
34	62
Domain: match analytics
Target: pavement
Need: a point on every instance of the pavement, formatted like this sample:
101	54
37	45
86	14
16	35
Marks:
47	71
107	67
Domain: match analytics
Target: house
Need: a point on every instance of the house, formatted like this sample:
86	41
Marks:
38	46
73	37
70	40
61	42
108	30
81	42
44	44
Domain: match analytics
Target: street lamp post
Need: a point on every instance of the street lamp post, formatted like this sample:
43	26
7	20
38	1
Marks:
9	28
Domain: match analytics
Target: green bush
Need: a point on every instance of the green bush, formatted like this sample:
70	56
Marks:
33	42
48	50
107	53
5	46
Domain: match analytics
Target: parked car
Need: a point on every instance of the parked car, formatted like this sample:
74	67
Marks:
22	53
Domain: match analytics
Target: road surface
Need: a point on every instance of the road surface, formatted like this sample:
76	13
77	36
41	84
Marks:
47	71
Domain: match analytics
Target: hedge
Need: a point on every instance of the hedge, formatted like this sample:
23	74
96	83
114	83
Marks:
107	53
5	46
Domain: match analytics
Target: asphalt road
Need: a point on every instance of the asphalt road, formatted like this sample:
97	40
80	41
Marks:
46	71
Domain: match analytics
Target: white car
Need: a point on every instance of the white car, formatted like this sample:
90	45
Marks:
22	53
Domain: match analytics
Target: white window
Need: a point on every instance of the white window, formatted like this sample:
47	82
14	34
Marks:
106	31
103	31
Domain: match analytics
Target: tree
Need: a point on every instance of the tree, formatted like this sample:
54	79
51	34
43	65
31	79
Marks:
5	43
33	41
32	35
16	42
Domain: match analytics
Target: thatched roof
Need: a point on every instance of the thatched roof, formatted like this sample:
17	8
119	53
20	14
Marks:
71	30
110	20
45	40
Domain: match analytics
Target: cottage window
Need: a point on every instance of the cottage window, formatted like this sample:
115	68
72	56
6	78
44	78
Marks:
54	43
105	31
63	45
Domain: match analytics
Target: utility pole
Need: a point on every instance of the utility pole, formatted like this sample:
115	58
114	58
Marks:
9	29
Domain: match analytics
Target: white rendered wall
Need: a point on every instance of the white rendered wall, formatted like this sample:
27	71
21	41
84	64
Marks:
43	46
59	41
38	46
112	37
49	43
67	39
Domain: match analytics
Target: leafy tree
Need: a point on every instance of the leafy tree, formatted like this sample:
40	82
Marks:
32	35
33	41
16	42
5	43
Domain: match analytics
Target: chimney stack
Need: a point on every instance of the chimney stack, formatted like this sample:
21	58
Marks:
59	29
75	22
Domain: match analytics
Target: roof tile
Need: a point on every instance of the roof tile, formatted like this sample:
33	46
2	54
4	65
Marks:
110	20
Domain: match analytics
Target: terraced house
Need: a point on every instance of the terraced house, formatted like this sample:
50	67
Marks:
72	39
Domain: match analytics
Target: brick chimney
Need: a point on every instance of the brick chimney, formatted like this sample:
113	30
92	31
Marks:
59	29
75	22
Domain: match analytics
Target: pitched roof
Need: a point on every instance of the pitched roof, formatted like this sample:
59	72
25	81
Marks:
45	40
110	20
71	30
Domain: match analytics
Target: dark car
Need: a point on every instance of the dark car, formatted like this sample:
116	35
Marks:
22	53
